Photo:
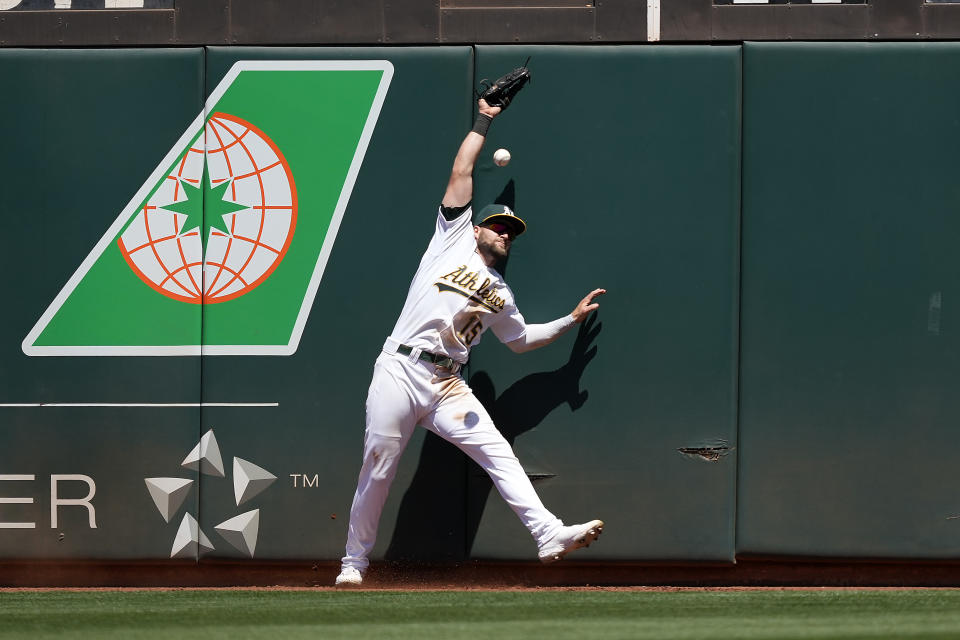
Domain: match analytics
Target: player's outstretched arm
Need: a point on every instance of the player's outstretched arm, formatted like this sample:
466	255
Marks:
460	187
540	335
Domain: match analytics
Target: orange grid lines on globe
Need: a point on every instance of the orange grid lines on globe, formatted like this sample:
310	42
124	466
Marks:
220	222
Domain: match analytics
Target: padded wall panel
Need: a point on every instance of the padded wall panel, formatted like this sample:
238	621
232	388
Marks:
311	440
849	342
82	131
638	194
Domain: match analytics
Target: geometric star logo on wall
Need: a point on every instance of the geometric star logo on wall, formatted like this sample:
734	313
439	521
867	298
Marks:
190	541
241	531
249	480
205	457
170	494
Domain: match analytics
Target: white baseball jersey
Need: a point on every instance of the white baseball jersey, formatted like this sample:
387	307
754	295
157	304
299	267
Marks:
455	297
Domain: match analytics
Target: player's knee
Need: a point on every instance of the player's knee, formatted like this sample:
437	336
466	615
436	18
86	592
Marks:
383	452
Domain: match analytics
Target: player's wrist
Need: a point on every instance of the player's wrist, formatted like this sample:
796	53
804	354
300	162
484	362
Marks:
482	124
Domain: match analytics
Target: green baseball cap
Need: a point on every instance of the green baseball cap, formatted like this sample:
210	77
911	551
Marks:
503	214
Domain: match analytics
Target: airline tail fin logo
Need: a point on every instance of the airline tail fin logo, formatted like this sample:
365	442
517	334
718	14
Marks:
220	222
229	237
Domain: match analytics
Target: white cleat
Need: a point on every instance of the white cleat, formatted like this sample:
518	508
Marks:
349	577
569	539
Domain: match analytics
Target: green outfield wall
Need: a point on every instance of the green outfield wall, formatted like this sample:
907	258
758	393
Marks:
770	373
849	358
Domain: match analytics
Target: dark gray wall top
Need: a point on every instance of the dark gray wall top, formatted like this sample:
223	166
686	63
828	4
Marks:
424	22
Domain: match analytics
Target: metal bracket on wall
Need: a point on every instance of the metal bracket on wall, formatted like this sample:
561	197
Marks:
653	20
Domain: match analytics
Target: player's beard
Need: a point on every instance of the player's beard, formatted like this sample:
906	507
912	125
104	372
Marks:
494	253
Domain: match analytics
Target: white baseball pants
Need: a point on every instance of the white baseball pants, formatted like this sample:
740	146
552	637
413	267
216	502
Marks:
406	391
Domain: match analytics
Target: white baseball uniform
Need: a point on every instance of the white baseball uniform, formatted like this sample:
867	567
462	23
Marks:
453	299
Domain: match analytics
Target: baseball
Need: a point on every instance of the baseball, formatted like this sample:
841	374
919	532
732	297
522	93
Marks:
501	157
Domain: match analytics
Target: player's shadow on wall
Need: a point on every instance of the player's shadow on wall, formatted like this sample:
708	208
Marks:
429	525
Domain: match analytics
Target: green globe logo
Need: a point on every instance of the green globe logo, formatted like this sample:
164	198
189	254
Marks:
211	228
222	219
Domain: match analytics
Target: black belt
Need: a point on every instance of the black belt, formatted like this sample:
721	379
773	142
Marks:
440	361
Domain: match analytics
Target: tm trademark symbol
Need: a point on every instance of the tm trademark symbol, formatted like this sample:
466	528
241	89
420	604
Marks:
304	481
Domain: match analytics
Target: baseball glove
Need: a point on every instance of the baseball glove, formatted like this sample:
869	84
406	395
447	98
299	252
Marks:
502	92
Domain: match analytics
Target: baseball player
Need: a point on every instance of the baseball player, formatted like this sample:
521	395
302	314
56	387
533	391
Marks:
458	292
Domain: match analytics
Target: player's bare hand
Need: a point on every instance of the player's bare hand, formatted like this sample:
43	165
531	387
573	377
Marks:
587	305
486	109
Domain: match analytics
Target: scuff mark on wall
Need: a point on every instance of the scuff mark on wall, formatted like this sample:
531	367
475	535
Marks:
933	313
708	450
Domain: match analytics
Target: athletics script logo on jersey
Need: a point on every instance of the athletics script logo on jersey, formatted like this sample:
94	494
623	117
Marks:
483	295
229	237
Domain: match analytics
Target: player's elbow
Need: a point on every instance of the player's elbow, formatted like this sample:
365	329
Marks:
519	345
462	172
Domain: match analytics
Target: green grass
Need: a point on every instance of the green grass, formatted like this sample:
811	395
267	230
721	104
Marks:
549	615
